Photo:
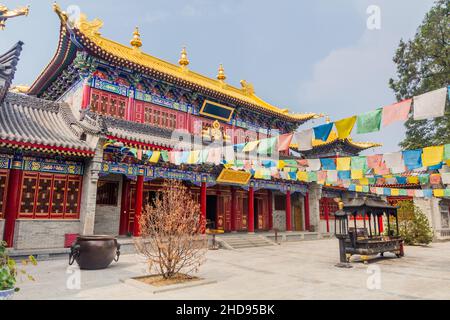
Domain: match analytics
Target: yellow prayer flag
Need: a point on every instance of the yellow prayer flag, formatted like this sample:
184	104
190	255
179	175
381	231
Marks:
364	182
228	165
345	126
302	176
258	174
357	174
359	189
432	156
395	192
193	157
281	164
250	146
343	164
439	193
413	180
155	157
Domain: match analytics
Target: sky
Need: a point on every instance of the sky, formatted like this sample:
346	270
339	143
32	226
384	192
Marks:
305	56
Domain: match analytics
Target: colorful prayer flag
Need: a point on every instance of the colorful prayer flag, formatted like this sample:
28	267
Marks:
357	174
447	152
155	157
413	159
430	104
396	112
343	164
267	146
369	121
432	156
250	146
345	126
323	132
359	163
328	164
284	141
303	139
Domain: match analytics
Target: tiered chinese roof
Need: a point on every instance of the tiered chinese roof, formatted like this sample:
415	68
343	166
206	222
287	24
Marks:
85	35
336	147
35	124
8	64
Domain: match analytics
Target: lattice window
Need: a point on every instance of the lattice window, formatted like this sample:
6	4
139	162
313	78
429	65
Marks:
327	207
29	187
73	196
3	188
95	101
43	195
103	104
58	199
46	195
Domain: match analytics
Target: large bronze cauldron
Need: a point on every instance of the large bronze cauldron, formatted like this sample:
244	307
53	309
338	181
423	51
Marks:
94	252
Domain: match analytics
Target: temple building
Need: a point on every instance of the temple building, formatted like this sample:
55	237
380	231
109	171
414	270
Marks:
64	168
73	145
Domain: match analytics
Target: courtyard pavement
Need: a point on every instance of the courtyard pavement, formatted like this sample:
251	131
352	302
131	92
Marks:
301	270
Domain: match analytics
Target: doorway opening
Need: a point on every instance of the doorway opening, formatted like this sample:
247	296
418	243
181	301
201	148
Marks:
211	211
256	216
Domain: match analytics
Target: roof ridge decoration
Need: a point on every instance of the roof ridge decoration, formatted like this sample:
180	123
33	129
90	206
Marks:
8	66
89	34
6	14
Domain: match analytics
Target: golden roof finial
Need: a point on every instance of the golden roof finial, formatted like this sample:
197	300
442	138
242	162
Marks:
6	14
136	42
327	119
221	75
184	61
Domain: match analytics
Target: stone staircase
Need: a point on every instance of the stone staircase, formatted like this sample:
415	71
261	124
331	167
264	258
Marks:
241	241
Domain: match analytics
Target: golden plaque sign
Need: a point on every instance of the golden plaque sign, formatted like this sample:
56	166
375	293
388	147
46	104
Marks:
236	177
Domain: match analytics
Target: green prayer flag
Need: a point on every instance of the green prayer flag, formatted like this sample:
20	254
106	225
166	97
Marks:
239	163
447	152
312	176
267	146
424	178
359	163
402	192
165	155
370	121
290	163
447	192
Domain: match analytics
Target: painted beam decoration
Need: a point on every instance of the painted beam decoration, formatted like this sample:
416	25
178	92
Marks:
52	166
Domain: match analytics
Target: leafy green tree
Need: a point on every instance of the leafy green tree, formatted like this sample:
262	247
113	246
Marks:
414	226
423	65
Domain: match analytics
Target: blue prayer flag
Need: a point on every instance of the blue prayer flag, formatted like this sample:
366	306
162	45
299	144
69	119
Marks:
328	164
323	132
413	159
344	175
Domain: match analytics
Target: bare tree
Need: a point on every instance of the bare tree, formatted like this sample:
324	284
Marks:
171	232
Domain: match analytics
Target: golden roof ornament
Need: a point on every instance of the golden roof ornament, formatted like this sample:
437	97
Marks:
136	42
184	61
20	89
221	75
247	87
6	14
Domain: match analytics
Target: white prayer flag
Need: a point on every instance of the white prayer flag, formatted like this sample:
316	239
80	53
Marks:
313	165
430	104
304	140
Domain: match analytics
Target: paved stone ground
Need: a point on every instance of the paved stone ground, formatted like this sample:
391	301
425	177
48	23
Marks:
303	270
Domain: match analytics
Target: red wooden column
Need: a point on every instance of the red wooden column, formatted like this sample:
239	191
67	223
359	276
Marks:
12	205
327	212
251	211
203	205
86	98
307	219
233	209
288	211
124	215
270	210
138	205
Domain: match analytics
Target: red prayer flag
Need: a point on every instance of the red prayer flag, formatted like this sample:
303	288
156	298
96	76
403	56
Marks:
284	141
396	112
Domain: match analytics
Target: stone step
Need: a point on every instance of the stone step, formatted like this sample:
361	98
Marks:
244	241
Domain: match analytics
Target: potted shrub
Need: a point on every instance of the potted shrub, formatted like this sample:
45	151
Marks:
9	273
